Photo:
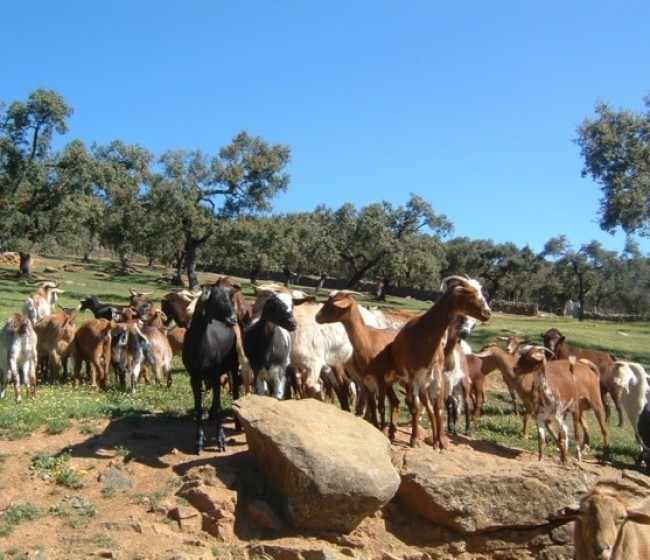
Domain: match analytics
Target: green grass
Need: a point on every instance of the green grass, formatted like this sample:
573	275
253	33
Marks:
57	407
16	514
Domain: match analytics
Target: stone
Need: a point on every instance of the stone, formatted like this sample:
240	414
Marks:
490	492
326	469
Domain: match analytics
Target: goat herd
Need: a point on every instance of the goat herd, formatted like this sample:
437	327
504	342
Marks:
279	346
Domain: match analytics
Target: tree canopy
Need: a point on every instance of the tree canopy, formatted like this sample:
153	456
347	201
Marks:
616	150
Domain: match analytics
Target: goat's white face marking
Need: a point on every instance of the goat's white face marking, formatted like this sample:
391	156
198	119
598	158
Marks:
286	300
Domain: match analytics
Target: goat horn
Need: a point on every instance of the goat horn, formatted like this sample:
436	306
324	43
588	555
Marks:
445	281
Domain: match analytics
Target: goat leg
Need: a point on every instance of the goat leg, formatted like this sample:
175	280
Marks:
215	415
197	391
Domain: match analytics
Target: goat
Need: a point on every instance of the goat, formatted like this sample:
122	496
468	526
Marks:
42	302
140	302
92	344
208	352
54	334
367	343
110	312
642	426
267	344
18	356
415	356
154	350
175	306
556	342
561	386
477	373
456	375
607	528
175	336
316	349
495	357
631	386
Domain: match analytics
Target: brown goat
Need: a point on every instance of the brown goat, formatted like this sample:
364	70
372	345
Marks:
495	357
562	386
92	344
175	336
415	356
367	343
54	332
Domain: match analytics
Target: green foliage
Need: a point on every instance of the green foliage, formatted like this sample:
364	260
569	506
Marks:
16	514
615	147
76	510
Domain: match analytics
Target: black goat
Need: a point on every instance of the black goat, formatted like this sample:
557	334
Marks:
209	350
117	313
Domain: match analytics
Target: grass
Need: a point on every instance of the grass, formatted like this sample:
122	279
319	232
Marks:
16	514
57	407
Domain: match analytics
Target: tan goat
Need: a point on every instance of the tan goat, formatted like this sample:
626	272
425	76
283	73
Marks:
607	528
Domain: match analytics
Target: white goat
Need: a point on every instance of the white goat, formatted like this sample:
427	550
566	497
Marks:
42	302
18	355
631	386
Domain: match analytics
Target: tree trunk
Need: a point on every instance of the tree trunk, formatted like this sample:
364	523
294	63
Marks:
382	288
124	264
177	280
25	266
255	272
321	283
287	276
190	264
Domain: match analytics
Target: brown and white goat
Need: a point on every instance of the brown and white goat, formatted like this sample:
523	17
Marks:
559	387
92	345
367	343
18	356
556	342
42	302
608	528
415	357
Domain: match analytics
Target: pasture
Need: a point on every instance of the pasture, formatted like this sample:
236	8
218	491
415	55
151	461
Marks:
57	407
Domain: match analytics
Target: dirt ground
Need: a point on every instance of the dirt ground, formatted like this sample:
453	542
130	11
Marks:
130	470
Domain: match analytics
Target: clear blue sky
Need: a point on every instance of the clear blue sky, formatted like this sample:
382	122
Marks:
472	105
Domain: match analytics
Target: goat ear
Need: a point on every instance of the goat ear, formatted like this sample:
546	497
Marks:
638	516
567	512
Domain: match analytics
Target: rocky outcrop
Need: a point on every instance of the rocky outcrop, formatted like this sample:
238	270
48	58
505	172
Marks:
326	469
492	491
315	482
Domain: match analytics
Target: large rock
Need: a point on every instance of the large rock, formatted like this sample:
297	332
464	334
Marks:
490	491
326	469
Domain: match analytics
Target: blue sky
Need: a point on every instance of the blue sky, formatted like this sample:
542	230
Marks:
473	105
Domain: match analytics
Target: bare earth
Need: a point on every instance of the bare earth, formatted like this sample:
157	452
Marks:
145	519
